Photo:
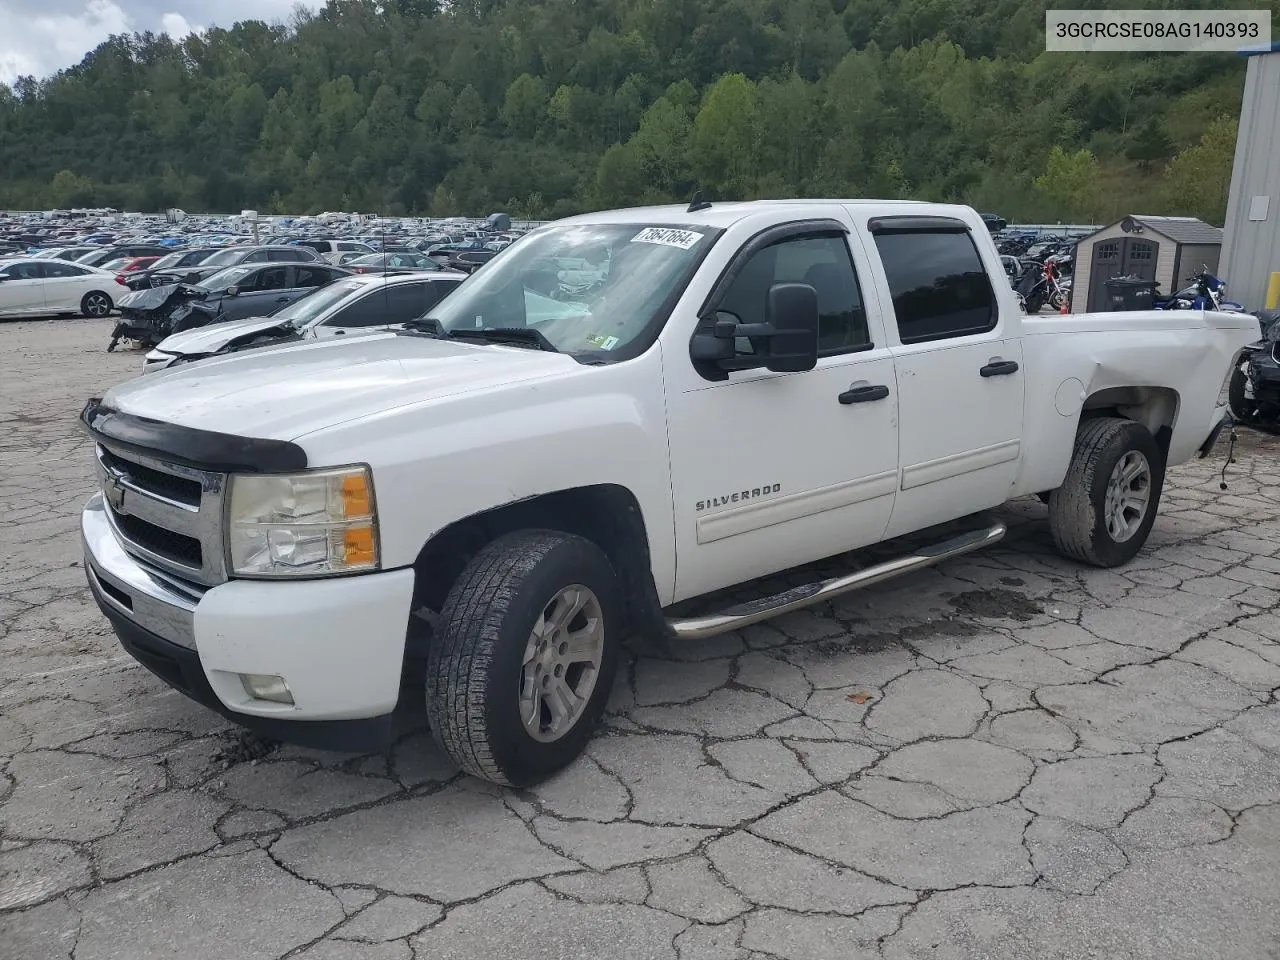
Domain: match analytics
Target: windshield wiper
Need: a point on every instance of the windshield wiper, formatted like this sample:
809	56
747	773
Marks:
513	336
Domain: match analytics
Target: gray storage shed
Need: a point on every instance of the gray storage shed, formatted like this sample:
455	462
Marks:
1167	250
1251	249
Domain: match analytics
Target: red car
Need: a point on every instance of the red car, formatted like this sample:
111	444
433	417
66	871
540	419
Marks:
123	266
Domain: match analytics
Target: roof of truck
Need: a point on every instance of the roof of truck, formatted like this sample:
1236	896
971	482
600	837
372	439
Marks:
727	213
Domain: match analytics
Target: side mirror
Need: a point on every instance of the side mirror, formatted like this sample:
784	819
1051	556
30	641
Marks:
233	291
787	342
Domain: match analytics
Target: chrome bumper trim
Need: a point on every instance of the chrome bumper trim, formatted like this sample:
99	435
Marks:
156	602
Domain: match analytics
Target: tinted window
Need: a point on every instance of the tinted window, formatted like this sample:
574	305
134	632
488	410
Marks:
320	246
272	278
388	304
940	289
823	263
24	271
312	277
56	268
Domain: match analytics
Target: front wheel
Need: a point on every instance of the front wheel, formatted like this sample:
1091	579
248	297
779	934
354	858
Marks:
95	304
1104	510
523	657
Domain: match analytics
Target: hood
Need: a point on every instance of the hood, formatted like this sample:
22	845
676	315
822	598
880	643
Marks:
282	393
215	336
152	298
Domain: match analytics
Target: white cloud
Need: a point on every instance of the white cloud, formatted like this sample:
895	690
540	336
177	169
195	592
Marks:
176	26
43	43
40	37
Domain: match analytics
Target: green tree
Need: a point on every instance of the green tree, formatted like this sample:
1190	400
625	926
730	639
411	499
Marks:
723	150
1198	179
661	145
525	105
468	110
1150	144
1070	181
69	189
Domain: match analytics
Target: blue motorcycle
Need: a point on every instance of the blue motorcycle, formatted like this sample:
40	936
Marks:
1205	292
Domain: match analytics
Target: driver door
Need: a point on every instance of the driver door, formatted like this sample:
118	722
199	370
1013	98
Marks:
770	470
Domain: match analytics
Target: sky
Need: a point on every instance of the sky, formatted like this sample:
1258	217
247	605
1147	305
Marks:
40	37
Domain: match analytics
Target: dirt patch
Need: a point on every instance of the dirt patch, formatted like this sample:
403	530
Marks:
995	604
242	746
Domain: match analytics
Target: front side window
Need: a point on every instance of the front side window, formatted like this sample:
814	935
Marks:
223	279
939	287
272	278
822	262
24	271
597	290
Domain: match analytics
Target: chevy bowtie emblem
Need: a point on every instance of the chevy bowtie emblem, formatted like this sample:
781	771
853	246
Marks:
113	490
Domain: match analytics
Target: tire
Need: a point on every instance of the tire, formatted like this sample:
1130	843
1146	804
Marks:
480	671
1085	514
95	304
1241	407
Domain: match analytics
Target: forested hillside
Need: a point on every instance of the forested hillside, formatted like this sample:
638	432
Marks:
547	107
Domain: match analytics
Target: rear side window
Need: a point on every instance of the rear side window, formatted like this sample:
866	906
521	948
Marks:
390	303
56	268
939	287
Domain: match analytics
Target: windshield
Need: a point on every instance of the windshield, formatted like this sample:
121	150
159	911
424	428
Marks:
309	307
224	257
588	288
228	277
172	260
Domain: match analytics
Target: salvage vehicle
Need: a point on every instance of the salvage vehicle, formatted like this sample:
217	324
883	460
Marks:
478	508
1254	391
361	303
250	289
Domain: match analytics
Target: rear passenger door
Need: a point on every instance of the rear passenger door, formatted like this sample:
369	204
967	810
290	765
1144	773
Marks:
959	379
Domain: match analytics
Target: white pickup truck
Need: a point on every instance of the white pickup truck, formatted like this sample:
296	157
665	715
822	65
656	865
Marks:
728	391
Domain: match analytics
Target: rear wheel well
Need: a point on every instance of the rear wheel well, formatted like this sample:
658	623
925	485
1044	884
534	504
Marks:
607	514
1156	408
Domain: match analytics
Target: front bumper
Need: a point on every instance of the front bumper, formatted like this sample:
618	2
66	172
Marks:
338	643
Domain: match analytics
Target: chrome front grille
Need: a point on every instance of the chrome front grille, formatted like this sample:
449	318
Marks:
166	515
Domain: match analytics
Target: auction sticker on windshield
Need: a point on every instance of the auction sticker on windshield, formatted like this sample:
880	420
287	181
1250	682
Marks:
668	237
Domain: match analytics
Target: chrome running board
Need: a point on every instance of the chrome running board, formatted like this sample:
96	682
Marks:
745	614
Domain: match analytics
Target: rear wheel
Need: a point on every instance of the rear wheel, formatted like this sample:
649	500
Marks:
523	656
1104	510
95	304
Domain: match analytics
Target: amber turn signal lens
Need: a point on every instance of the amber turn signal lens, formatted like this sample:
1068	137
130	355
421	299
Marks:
355	496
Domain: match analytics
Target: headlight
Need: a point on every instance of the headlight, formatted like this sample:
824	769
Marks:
318	523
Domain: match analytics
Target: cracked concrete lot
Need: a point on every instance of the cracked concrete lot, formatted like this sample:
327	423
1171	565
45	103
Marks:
1010	756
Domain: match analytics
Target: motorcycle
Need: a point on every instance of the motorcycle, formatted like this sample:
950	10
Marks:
1043	283
148	316
1253	392
1204	292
